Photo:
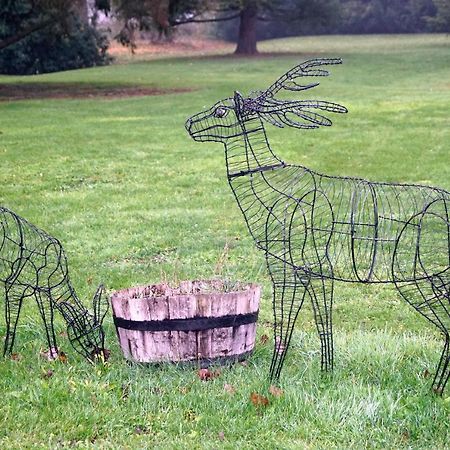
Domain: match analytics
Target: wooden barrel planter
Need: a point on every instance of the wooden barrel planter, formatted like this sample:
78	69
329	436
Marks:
203	321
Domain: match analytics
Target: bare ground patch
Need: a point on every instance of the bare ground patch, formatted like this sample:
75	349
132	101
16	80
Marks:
147	50
29	91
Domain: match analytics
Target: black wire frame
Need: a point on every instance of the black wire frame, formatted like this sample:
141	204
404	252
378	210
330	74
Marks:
316	229
33	265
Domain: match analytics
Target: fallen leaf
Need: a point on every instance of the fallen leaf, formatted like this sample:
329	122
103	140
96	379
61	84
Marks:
244	363
62	357
16	356
190	415
426	373
106	354
276	391
221	435
101	355
48	374
89	280
259	400
264	338
184	389
206	374
229	388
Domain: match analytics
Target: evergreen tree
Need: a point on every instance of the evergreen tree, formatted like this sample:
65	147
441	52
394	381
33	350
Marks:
38	36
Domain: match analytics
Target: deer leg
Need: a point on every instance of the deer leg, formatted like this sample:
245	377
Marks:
321	294
430	297
46	311
288	297
443	370
441	290
13	305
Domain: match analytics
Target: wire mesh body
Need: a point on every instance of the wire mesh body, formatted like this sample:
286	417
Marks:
33	265
316	229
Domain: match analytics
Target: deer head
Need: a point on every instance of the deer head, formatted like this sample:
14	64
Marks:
228	118
85	330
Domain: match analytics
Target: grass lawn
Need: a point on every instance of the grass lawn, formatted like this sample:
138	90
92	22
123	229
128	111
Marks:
134	200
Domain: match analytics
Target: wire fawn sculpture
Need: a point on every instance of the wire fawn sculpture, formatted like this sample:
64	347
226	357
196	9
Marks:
33	265
316	229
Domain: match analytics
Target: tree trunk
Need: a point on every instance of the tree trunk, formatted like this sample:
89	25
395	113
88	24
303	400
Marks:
159	10
246	44
81	8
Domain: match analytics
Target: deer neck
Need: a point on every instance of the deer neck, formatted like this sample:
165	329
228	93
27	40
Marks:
247	157
67	302
250	152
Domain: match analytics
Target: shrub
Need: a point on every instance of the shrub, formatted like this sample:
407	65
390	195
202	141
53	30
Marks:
64	45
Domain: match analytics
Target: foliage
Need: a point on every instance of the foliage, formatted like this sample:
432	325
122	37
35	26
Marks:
353	17
134	200
160	15
385	16
290	18
50	38
441	21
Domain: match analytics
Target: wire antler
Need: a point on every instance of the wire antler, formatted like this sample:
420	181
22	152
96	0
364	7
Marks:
306	69
288	112
285	112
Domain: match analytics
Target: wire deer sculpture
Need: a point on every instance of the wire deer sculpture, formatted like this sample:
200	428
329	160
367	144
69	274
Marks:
33	265
316	229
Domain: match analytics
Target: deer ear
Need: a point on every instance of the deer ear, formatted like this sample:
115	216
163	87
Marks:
100	305
238	102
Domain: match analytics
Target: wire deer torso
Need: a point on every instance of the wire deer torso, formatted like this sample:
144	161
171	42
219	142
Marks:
315	229
33	264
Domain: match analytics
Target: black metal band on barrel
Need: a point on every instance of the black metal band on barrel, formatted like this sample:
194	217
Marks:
192	324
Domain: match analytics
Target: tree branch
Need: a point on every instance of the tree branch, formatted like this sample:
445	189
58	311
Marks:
217	19
23	34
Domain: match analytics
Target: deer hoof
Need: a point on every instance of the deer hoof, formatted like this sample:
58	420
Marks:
51	354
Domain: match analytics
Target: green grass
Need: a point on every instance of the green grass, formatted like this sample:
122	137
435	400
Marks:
135	201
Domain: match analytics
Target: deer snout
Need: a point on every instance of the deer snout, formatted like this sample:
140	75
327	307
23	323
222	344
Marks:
187	125
192	128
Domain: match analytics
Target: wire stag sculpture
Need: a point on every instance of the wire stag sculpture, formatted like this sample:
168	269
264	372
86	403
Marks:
33	265
316	229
